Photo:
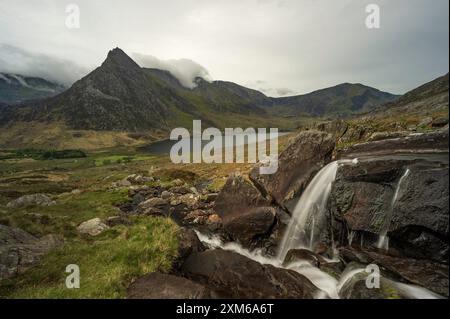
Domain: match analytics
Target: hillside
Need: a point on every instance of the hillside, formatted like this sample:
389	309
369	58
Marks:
15	88
120	102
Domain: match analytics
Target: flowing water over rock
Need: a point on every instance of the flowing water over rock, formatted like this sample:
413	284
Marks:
383	242
309	211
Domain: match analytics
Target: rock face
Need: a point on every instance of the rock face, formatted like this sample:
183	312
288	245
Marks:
235	276
189	244
425	273
31	200
163	286
19	250
362	201
412	143
303	157
246	214
92	227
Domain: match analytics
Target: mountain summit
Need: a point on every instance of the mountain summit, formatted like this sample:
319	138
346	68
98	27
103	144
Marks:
119	95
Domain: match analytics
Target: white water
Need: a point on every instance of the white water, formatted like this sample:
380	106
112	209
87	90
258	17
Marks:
312	203
383	241
312	206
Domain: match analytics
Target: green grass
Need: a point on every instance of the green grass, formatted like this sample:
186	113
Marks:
69	212
107	265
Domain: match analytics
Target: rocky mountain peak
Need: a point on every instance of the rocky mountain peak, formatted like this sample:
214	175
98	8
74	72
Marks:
118	58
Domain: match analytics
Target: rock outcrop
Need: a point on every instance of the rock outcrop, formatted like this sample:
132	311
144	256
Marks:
302	158
235	276
19	250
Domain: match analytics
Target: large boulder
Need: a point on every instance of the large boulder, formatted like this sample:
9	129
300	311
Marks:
412	143
19	250
188	244
362	198
31	200
303	157
236	276
164	286
246	214
252	225
425	273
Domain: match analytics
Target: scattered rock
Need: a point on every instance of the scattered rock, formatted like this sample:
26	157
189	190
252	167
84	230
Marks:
117	220
31	200
92	227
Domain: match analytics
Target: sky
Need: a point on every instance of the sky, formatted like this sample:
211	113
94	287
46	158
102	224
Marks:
281	47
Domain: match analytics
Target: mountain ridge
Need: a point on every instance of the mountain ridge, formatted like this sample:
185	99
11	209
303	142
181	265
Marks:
119	95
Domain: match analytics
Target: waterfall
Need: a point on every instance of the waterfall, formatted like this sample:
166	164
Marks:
383	241
311	205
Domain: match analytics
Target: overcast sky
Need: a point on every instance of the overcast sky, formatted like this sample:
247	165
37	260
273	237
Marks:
283	47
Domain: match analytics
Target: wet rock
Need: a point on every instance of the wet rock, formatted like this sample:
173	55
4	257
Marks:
302	158
19	250
92	227
251	226
412	143
31	200
164	286
298	255
237	197
236	276
425	273
361	201
189	244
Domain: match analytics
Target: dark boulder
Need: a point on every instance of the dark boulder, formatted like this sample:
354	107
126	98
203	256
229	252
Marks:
295	255
236	276
303	157
164	286
246	214
188	244
412	143
249	227
425	273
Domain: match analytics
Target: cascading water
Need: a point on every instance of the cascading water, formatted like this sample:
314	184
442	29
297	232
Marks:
383	241
309	212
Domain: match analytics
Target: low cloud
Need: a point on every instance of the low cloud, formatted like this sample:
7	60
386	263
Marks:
184	70
19	61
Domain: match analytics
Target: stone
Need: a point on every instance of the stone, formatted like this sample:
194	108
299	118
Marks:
92	227
165	286
303	157
235	276
19	250
31	200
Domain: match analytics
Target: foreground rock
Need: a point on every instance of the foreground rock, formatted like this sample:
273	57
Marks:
19	250
92	227
425	273
362	198
413	143
246	214
31	200
189	244
235	276
303	157
163	286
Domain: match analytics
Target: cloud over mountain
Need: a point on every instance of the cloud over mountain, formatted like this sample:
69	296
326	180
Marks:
184	70
20	61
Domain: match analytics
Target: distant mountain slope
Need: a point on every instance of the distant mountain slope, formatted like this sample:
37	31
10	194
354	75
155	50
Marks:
15	88
429	98
121	96
339	101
